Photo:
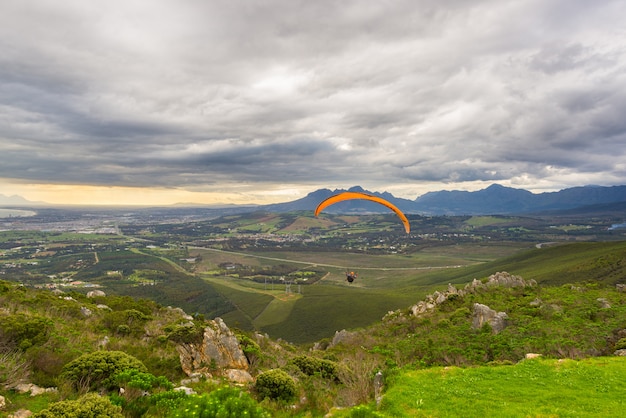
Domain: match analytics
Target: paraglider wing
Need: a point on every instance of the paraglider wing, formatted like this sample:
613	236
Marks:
357	195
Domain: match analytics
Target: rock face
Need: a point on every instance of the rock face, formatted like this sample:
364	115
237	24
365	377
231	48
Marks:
483	314
342	336
498	279
218	354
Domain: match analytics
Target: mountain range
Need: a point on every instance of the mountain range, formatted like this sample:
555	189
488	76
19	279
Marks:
495	199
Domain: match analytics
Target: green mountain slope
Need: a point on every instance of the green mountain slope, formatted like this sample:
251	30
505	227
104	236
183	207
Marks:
604	262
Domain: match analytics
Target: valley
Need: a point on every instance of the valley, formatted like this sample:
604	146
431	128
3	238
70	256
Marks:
270	272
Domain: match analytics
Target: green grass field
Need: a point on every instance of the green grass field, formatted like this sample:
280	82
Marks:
591	387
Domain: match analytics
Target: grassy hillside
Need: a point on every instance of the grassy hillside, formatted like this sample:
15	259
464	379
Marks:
389	283
603	262
554	388
428	362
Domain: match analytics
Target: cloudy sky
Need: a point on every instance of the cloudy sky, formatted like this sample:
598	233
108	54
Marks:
239	101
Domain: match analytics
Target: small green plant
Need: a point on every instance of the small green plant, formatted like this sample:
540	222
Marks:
89	405
133	378
621	344
250	349
364	411
136	398
225	402
277	385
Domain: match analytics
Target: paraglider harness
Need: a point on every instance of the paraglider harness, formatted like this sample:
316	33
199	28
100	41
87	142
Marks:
350	276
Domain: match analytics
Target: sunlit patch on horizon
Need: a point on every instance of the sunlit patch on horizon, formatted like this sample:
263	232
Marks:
67	194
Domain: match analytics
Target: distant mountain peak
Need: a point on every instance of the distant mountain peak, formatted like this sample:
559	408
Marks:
16	200
357	189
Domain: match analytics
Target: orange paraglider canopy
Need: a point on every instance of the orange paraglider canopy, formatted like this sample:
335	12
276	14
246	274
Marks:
358	195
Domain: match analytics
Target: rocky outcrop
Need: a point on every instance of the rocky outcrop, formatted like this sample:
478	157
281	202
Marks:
33	389
218	354
342	336
503	279
21	413
95	294
483	314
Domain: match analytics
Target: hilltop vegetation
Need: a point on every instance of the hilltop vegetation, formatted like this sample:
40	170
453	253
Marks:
45	335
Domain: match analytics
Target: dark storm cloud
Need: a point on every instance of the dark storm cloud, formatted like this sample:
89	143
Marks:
195	93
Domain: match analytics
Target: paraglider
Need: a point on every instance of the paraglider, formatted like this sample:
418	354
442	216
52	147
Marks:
358	195
351	276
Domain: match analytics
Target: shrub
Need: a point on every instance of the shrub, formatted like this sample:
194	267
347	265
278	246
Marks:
276	384
312	365
94	371
225	402
621	344
132	378
138	386
89	405
250	349
185	334
47	363
23	331
125	322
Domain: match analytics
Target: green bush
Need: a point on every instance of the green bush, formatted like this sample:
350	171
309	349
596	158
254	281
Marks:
23	331
90	405
125	322
250	348
276	384
47	363
225	402
312	365
136	398
97	370
621	344
132	378
185	334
